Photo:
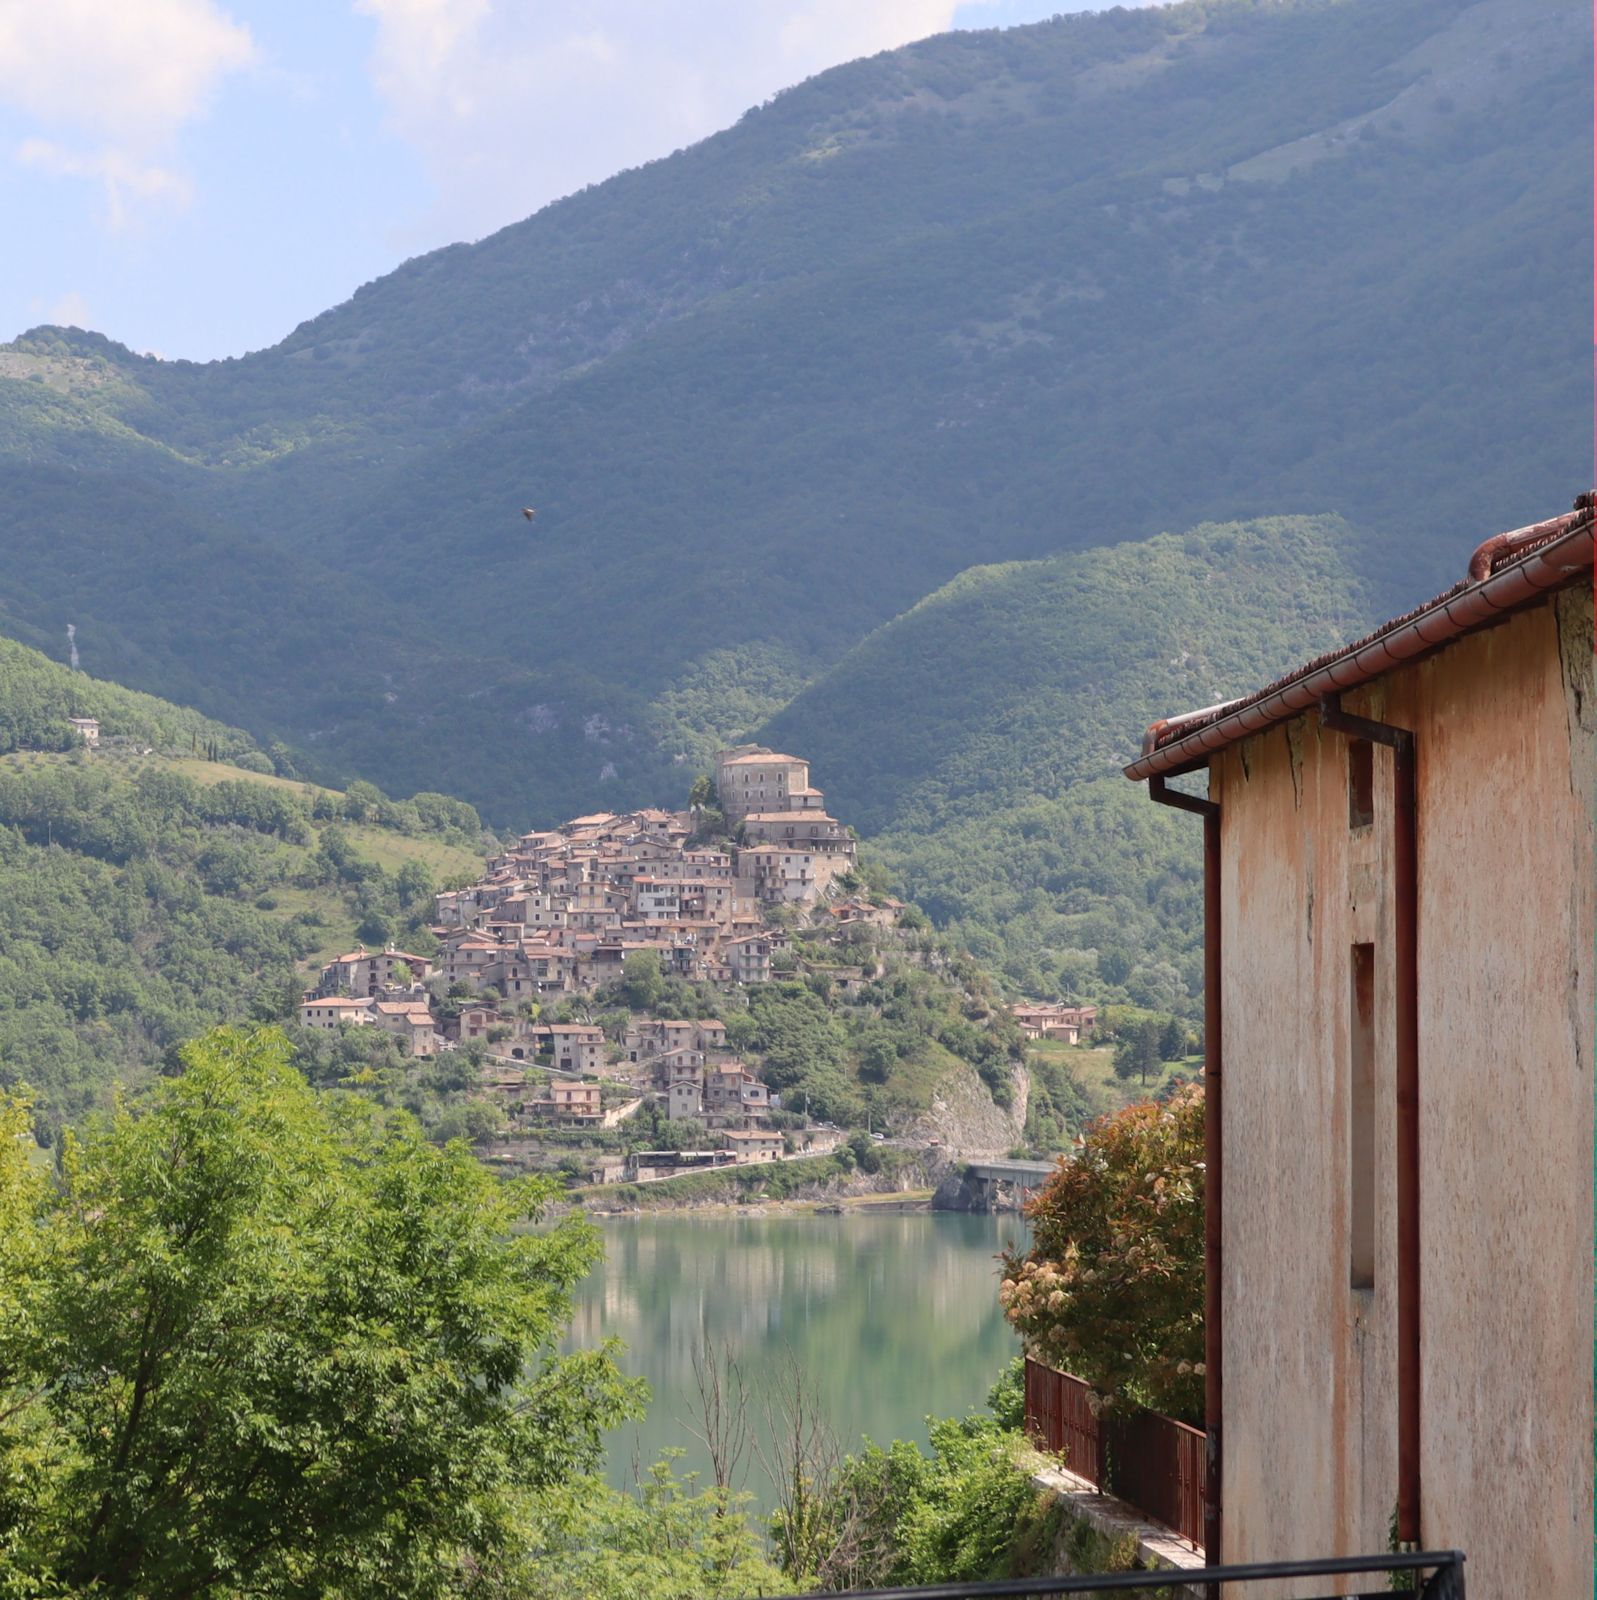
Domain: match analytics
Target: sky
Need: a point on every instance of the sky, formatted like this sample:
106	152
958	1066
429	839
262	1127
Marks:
194	178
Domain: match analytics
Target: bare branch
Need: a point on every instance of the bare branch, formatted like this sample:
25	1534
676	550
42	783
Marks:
723	1413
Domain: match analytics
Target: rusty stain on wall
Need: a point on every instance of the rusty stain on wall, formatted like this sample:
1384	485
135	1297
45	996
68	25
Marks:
1294	756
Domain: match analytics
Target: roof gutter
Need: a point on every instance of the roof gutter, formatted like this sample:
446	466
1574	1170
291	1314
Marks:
1553	564
1213	1169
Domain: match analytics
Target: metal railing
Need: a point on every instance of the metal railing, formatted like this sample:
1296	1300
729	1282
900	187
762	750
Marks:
1437	1575
1160	1465
1152	1462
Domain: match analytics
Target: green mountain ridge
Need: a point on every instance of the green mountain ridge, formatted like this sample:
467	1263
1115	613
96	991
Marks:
977	739
990	297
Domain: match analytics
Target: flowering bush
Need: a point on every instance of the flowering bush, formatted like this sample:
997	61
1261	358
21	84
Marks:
1112	1287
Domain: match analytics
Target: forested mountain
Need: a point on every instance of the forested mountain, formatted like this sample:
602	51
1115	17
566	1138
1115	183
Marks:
978	739
148	892
995	296
38	696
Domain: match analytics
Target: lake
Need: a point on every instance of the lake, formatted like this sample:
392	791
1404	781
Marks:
892	1315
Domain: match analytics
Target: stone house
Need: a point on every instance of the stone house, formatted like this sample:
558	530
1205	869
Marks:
364	972
476	1020
647	1037
749	959
572	1046
333	1011
1053	1020
656	899
754	1144
734	1097
87	729
575	1102
1398	849
706	866
467	961
661	1070
848	913
683	1100
410	1020
798	829
782	875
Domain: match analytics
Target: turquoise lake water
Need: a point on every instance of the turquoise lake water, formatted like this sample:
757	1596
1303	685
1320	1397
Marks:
892	1316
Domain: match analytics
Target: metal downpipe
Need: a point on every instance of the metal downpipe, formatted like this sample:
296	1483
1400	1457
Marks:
1213	1164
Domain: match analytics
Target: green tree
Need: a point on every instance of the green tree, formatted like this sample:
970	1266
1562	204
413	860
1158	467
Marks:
1112	1286
1173	1040
362	800
413	883
274	1343
672	1540
1137	1054
866	1155
641	983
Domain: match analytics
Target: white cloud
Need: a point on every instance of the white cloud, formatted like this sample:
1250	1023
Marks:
512	104
124	180
132	72
119	80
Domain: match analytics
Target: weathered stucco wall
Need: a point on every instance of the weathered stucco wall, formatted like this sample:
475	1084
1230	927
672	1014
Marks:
1503	724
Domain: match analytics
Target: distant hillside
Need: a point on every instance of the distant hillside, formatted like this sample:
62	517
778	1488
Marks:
978	738
995	296
144	897
38	696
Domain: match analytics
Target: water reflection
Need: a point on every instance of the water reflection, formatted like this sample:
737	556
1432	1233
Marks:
892	1316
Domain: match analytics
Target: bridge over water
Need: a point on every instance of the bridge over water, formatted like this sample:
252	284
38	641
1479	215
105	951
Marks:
1021	1176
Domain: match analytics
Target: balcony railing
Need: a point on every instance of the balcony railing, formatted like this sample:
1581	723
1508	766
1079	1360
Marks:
1150	1461
1436	1575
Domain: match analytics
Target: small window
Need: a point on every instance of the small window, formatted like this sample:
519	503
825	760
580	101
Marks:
1360	783
1361	1118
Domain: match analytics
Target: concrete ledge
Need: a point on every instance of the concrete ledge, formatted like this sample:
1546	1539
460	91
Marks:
1157	1545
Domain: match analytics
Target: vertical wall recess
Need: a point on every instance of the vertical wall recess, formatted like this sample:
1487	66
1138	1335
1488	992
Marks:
1361	1117
1360	783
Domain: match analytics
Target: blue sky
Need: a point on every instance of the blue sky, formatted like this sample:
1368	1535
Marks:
196	177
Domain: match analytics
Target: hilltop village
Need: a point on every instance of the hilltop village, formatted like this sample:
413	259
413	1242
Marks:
697	895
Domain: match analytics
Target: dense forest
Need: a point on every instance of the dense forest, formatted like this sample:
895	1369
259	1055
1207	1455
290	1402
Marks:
995	296
147	893
978	739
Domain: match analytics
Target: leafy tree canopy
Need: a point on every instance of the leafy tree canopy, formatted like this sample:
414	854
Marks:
1112	1286
262	1342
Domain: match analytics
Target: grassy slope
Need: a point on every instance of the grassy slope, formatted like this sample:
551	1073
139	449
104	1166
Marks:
981	299
1093	1067
332	921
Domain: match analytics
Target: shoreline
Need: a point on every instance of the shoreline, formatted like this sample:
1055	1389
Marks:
900	1202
